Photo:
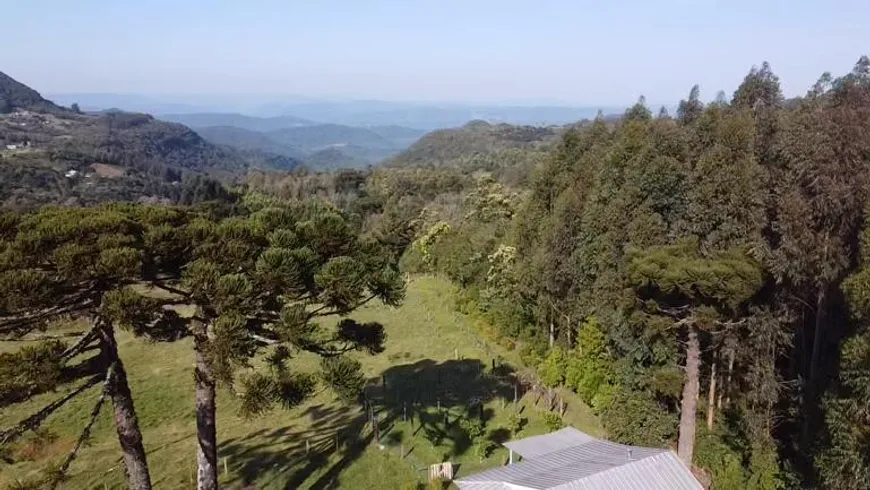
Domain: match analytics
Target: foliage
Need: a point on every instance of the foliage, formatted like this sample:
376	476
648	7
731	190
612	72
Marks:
515	423
553	421
636	418
552	369
475	430
589	370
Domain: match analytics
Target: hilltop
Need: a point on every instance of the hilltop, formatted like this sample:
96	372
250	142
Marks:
15	95
247	139
51	154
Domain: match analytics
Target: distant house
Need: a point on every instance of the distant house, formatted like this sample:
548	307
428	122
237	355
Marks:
569	459
11	147
71	173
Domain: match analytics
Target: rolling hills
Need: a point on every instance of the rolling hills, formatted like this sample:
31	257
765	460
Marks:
318	146
50	154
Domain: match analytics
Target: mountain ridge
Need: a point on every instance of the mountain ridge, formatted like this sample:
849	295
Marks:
53	155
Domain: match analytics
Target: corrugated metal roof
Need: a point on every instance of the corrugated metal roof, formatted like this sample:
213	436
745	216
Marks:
589	465
534	446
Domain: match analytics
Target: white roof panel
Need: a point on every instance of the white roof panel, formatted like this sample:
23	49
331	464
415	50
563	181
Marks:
587	465
531	447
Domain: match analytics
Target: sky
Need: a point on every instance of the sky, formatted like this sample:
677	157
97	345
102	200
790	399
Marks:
578	52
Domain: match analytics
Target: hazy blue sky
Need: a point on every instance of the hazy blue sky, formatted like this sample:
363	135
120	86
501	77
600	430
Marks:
585	52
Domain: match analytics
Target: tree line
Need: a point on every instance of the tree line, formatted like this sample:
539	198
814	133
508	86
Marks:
702	266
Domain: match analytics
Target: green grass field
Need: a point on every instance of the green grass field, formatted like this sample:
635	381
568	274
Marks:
435	357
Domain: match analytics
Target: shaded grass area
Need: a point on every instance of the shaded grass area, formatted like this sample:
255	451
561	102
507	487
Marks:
435	371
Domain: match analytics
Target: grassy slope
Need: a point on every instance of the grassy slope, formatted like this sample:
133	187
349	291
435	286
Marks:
424	338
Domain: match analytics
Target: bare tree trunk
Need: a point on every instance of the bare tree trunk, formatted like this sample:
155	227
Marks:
552	334
126	422
726	390
711	396
689	404
206	409
570	335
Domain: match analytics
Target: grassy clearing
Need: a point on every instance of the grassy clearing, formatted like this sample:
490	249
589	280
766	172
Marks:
434	357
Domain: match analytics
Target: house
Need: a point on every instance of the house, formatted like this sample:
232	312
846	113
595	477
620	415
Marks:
11	147
569	459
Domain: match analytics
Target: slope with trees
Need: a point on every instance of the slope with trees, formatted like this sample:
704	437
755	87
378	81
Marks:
709	249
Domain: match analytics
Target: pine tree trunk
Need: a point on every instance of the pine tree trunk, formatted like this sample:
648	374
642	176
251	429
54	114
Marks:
711	396
206	409
689	404
126	422
817	337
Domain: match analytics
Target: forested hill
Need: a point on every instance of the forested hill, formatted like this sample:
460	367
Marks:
52	154
500	148
245	139
16	95
453	146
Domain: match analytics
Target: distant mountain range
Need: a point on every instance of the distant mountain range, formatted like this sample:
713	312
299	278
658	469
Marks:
207	119
341	146
351	133
360	113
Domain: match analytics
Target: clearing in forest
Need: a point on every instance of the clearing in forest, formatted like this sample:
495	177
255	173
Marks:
438	372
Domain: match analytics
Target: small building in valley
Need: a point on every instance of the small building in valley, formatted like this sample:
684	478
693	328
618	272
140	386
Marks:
569	459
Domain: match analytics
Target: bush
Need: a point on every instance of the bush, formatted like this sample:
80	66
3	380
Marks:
515	422
553	421
552	370
532	353
603	398
634	417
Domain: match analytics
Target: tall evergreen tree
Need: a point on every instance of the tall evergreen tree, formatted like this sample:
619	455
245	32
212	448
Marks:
697	294
264	280
65	262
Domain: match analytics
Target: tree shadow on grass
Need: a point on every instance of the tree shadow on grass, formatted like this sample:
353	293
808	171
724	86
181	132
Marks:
435	396
292	453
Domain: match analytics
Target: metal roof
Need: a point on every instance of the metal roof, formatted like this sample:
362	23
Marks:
588	465
534	446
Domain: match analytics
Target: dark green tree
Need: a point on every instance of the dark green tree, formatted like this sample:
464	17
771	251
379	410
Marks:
694	293
60	263
263	281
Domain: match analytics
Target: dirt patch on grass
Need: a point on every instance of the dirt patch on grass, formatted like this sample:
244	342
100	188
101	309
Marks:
107	171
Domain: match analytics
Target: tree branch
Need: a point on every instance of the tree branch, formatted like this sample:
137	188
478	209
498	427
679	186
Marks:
32	422
79	346
17	322
86	432
320	313
170	289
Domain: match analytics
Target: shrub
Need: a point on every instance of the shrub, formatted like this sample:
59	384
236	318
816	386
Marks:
552	370
553	421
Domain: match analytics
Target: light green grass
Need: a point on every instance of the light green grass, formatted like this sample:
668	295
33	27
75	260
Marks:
433	354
